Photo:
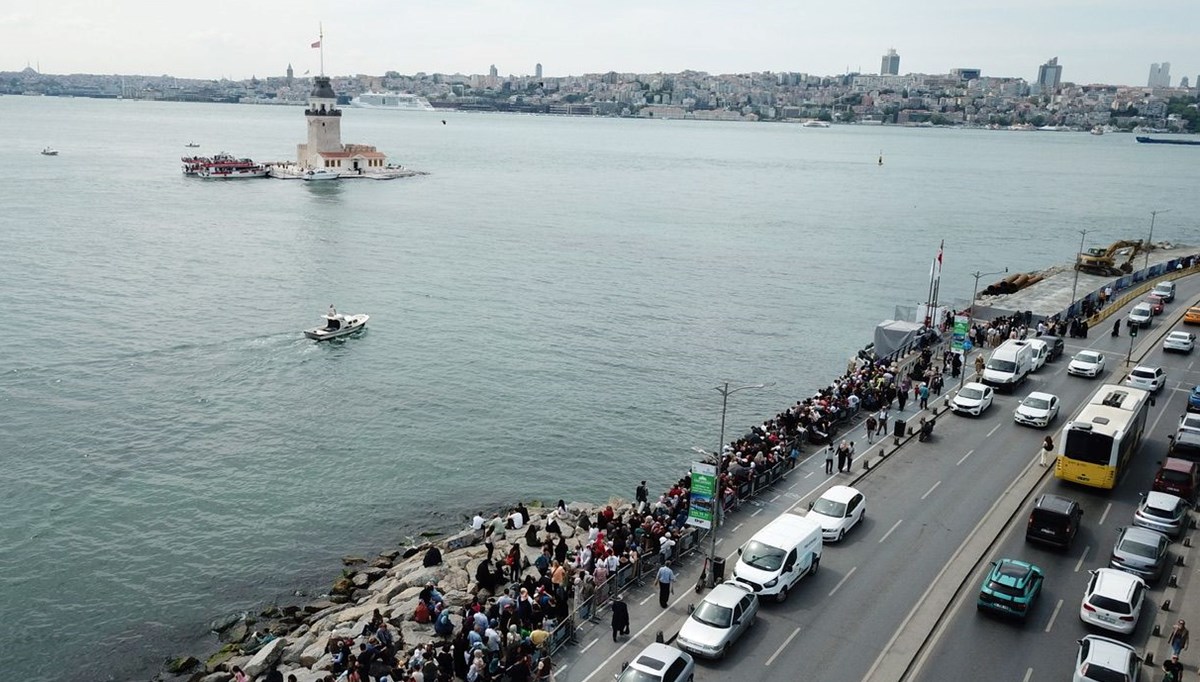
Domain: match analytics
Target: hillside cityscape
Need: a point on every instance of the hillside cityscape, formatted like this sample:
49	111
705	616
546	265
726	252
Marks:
961	97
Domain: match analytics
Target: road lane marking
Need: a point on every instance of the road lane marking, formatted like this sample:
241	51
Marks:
927	492
1105	514
794	484
757	512
563	668
1079	564
842	581
1057	608
894	526
589	645
992	431
1028	674
643	602
687	594
809	474
776	497
735	528
964	457
719	541
781	646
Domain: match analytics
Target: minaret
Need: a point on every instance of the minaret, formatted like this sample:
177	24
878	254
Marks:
324	123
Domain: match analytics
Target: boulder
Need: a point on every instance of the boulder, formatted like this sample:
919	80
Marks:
319	605
386	589
360	579
291	653
342	586
382	562
224	654
416	634
217	677
235	633
312	653
305	675
225	622
271	611
353	560
390	554
290	611
182	665
354	613
265	658
465	538
374	573
407	595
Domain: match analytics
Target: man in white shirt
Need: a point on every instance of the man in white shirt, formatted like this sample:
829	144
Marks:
516	520
477	521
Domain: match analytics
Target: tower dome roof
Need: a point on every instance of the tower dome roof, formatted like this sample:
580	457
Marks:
322	88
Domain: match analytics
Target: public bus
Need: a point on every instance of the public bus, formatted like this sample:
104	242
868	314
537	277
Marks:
1097	445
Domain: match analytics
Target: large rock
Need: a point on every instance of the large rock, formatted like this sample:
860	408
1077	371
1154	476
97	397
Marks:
265	658
217	677
355	612
234	633
360	579
182	665
464	539
318	606
291	653
313	653
304	675
342	586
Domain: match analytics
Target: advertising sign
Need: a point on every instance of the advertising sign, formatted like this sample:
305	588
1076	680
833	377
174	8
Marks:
959	342
702	495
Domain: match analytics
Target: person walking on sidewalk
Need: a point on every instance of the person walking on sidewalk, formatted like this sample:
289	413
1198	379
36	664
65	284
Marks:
829	457
883	420
665	578
1179	637
902	397
872	424
1047	448
979	365
1173	669
923	392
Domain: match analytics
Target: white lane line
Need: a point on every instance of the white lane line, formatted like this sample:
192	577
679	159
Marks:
1191	364
589	645
894	526
783	646
776	497
757	512
563	668
964	457
735	528
992	431
719	541
809	474
1057	608
1105	514
928	492
643	602
843	581
1028	674
793	485
1082	557
687	594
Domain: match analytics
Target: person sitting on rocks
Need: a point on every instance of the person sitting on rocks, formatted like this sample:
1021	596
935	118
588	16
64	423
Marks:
486	579
531	535
433	557
442	624
431	596
260	639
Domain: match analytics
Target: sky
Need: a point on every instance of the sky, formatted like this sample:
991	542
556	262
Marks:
1096	41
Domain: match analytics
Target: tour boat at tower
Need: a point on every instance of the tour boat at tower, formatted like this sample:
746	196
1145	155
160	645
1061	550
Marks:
223	166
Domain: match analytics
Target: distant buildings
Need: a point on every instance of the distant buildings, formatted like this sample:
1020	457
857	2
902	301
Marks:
966	74
537	71
1160	75
1183	82
290	73
1049	77
890	64
492	72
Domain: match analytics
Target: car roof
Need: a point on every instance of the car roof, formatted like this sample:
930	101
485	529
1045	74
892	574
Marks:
1108	652
1012	571
1112	582
1139	534
727	594
1094	353
1147	368
656	657
1055	503
975	385
1169	285
1038	343
1039	394
1163	500
1177	464
840	493
1182	334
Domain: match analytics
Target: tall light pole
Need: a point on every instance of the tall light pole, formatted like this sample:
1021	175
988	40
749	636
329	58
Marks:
1078	257
962	377
718	503
1150	240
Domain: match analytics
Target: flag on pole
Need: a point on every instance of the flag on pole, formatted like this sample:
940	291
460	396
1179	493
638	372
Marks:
939	258
316	44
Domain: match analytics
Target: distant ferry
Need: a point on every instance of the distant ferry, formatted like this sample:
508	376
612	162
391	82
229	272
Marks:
223	166
814	123
391	100
1159	140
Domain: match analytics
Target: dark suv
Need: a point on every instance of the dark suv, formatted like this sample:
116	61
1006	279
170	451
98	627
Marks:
1054	520
1055	346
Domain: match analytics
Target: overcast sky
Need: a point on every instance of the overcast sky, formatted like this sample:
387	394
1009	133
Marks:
1096	41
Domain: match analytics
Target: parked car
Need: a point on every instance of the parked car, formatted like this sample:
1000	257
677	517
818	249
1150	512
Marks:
973	398
1011	588
1086	363
1056	345
1179	342
1156	304
1163	513
1165	290
1041	353
659	663
1102	659
718	620
1147	378
1194	400
838	510
1141	315
1185	444
1113	600
1141	552
1037	409
1054	520
1192	316
1180	477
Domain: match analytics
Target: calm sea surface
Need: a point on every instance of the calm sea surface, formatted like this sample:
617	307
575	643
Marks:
551	309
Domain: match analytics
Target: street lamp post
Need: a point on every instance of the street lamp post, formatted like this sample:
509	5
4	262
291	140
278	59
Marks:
962	377
719	504
1078	257
1150	240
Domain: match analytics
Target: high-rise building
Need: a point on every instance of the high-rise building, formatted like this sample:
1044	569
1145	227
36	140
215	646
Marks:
1049	77
537	70
492	72
1183	82
890	64
289	74
1160	75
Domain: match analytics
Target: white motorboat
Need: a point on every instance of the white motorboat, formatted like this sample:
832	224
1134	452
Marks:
814	123
319	174
337	324
49	152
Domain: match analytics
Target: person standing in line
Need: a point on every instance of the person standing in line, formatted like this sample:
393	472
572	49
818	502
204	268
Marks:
829	458
1047	448
665	578
883	422
872	424
1179	637
643	497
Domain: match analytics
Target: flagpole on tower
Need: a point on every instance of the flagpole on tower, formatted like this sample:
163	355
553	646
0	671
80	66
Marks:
321	43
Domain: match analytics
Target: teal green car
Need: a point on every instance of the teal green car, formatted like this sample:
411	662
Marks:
1011	587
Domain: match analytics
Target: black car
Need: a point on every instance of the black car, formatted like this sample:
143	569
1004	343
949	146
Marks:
1054	520
1056	345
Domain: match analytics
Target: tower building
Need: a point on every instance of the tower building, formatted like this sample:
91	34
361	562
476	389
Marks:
1049	77
890	64
537	70
290	73
1160	75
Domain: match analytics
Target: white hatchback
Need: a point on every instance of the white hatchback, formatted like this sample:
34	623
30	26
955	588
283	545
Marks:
838	510
1113	600
1179	342
1147	378
1101	659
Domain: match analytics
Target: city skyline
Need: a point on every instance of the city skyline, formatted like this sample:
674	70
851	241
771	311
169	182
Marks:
374	36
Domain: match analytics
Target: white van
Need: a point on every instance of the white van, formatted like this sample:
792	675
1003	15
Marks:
1009	365
1041	353
779	555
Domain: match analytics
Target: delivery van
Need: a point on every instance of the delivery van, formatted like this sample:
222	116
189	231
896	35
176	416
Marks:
778	556
1008	365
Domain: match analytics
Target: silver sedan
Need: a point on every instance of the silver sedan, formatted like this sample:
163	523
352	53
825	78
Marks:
718	620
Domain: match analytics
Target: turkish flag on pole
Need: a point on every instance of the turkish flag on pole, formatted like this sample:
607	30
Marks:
316	44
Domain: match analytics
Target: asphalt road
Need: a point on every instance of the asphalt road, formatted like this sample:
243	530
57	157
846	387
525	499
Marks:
923	503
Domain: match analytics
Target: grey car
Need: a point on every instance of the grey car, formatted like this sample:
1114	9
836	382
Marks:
718	620
1162	512
1141	552
659	663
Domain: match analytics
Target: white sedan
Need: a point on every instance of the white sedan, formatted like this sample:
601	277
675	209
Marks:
1086	363
1180	342
972	399
838	510
1037	409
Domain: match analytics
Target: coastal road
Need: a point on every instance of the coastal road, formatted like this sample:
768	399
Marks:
1044	648
923	503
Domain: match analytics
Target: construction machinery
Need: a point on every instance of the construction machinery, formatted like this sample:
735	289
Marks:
1104	261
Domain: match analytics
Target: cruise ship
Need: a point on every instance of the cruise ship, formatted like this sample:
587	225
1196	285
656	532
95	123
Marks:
391	100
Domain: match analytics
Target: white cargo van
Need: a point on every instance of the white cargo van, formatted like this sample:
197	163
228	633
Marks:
1009	365
779	555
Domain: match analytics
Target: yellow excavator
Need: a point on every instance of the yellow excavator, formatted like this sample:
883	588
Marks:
1103	261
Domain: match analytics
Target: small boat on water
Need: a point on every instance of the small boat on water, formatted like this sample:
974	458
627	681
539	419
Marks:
337	324
191	144
1097	130
320	174
814	123
1159	140
49	152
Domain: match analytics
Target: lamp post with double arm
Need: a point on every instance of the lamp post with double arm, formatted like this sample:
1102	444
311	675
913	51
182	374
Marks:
962	378
1078	257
